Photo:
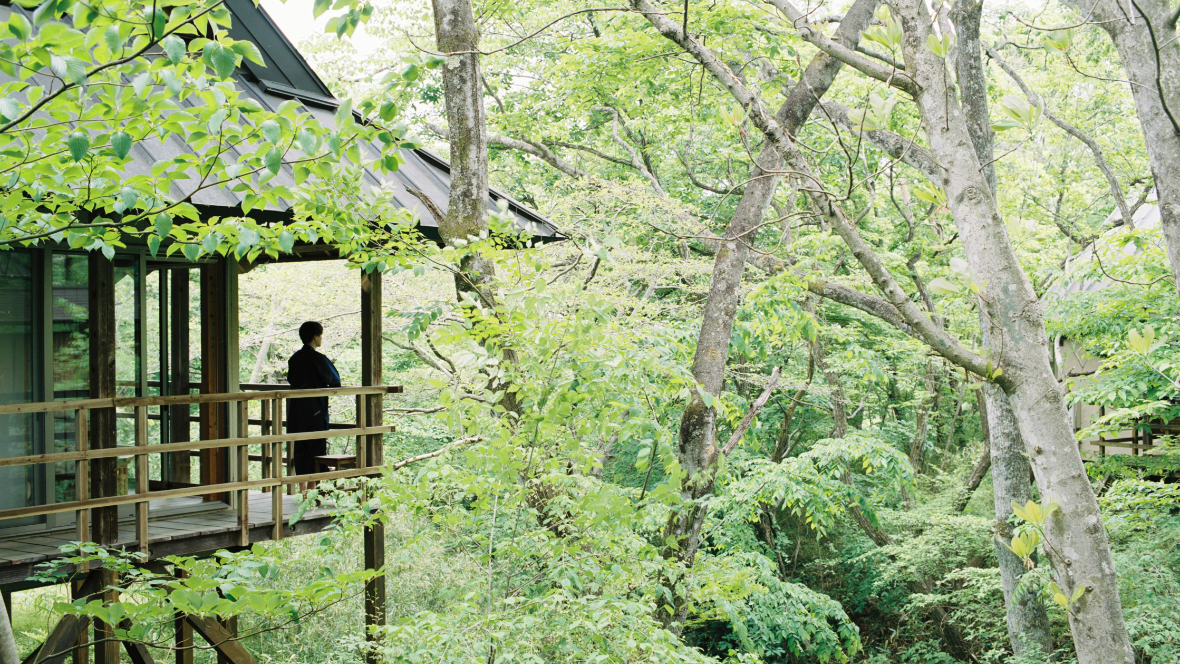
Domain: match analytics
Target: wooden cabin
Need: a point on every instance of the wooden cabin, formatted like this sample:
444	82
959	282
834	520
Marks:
1075	365
112	430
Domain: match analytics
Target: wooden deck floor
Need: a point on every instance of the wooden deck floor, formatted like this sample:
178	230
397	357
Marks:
174	532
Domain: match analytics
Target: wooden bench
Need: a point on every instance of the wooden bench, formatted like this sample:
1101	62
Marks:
328	462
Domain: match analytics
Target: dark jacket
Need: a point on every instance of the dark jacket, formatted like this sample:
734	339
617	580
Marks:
309	370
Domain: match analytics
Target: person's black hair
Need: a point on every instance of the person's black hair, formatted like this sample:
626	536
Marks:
310	330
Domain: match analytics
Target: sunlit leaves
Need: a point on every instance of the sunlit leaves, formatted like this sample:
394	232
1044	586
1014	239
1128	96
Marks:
1141	343
876	115
1017	112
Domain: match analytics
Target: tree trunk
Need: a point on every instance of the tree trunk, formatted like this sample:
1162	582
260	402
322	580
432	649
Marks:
1147	45
926	411
1016	325
1076	530
457	36
1028	623
466	217
698	451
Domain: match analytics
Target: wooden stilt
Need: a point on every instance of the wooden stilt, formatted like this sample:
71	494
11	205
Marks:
214	420
81	655
371	374
106	652
103	434
180	463
184	633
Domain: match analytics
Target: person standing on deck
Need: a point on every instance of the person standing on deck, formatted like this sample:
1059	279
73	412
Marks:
308	369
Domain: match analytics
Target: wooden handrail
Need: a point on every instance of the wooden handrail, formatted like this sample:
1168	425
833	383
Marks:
127	451
182	399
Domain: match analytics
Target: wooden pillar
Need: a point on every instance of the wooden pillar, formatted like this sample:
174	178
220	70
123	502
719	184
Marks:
214	417
104	520
81	655
179	463
371	374
184	634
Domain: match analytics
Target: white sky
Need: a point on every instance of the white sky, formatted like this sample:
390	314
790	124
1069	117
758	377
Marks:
295	19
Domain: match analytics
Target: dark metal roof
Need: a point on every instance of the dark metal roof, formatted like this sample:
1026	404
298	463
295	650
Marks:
289	76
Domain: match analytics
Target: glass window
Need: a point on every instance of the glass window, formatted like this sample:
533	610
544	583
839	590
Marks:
18	378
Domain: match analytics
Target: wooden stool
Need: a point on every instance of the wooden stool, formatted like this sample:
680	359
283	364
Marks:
334	462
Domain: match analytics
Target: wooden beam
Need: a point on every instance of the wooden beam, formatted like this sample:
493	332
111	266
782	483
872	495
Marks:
136	651
372	367
214	416
222	641
179	465
230	625
63	637
104	528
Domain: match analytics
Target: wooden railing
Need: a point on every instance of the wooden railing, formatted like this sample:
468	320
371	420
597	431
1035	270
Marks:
1143	438
271	441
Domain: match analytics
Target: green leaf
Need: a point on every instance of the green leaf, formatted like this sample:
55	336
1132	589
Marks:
140	83
273	159
19	26
320	7
128	197
191	251
121	144
210	242
248	51
153	243
308	141
68	68
78	144
221	59
271	131
174	48
286	241
9	109
163	224
940	286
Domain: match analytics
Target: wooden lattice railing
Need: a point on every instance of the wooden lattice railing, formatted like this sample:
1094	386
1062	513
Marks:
274	472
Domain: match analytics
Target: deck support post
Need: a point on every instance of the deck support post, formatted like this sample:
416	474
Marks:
214	379
179	463
103	434
184	632
371	374
102	580
81	655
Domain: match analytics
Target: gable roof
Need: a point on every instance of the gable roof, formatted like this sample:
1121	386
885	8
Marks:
287	75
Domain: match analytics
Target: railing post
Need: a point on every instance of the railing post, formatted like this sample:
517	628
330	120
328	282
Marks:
141	479
243	455
264	450
82	475
276	495
362	440
372	367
